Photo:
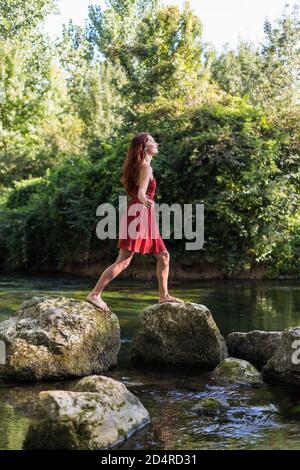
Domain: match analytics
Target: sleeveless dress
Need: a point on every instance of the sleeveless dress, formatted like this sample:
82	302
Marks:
139	231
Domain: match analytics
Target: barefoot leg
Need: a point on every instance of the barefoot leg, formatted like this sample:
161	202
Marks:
123	260
162	271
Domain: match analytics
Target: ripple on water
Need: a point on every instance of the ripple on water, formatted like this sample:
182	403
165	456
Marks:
256	418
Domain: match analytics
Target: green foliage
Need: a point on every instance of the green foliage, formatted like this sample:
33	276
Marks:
47	222
20	17
156	49
35	127
269	75
227	125
89	84
232	158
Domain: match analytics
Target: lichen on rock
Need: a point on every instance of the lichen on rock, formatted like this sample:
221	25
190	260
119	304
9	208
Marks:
54	337
237	371
100	413
284	365
178	334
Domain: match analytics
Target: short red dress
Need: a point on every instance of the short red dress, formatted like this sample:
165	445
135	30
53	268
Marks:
139	231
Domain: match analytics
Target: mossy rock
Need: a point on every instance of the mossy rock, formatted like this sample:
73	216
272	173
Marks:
284	365
238	371
210	406
99	414
177	335
56	337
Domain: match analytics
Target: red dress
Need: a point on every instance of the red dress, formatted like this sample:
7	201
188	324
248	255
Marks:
139	231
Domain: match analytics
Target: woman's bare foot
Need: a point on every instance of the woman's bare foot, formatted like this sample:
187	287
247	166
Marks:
96	300
170	298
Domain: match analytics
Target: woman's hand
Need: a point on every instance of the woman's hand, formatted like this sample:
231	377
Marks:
147	202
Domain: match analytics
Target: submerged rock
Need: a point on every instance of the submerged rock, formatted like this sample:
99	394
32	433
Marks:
238	371
99	414
52	337
210	406
256	346
284	365
178	334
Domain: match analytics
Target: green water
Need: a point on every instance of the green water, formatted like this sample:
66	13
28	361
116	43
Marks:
267	418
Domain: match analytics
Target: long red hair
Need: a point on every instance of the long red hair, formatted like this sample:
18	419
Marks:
133	161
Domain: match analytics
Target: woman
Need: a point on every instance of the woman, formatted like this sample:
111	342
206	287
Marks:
140	183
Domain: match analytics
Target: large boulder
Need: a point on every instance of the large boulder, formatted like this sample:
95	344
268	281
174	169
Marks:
256	346
238	372
98	414
178	334
53	337
284	365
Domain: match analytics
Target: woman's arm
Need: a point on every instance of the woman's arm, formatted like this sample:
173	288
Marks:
144	176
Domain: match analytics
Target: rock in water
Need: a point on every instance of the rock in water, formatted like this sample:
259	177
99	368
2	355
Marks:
284	365
180	334
53	337
210	406
238	371
99	414
256	346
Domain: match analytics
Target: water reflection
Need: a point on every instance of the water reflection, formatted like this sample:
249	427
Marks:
256	419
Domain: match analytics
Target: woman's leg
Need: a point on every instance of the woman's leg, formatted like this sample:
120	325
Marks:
162	271
123	260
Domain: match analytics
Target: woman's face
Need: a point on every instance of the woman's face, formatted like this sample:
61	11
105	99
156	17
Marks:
151	145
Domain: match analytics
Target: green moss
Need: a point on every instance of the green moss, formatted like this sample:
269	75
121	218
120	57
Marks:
210	406
238	370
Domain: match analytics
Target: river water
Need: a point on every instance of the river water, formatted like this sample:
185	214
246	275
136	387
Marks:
263	418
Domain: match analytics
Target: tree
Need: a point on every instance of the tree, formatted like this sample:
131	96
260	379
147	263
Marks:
36	126
157	50
22	17
268	75
88	82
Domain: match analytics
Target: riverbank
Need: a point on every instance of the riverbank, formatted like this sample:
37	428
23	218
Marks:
144	269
